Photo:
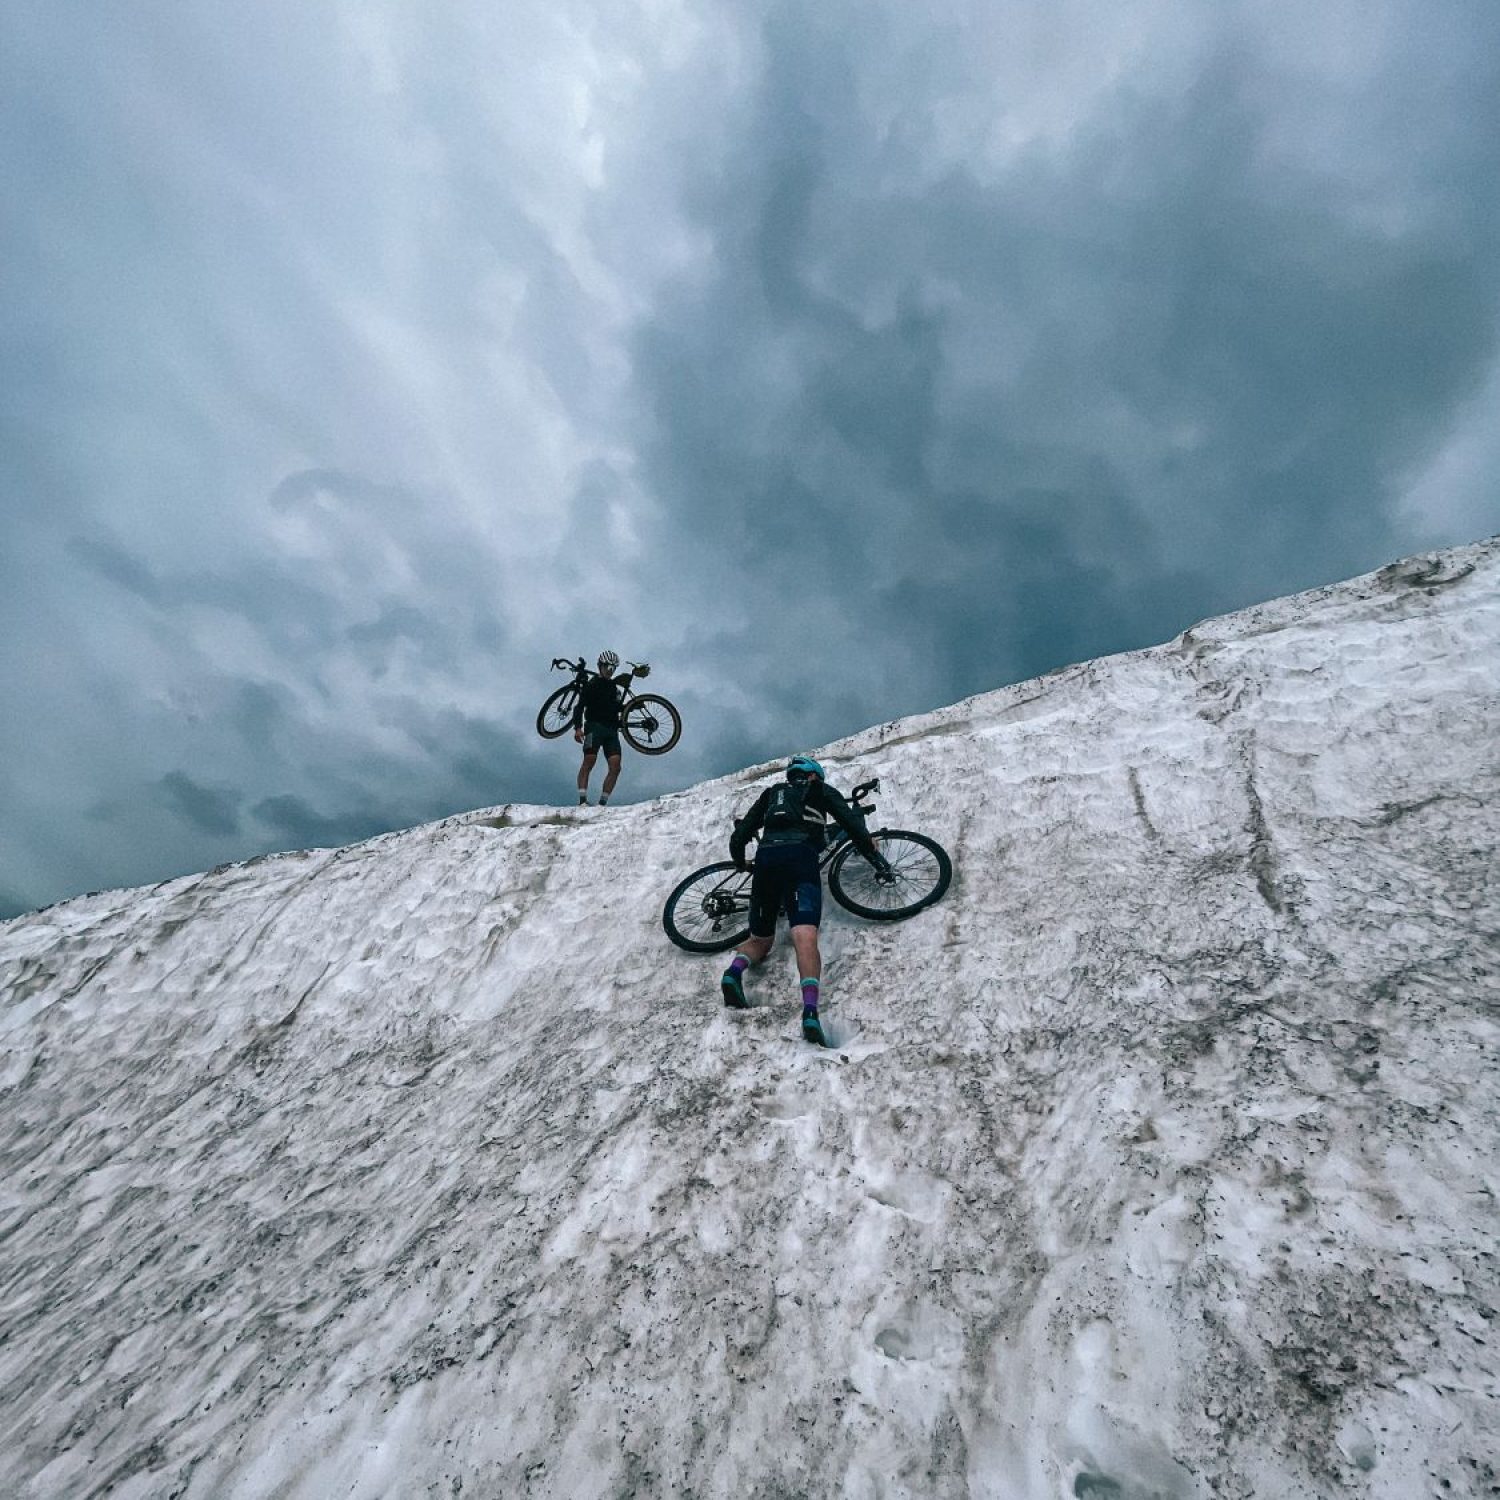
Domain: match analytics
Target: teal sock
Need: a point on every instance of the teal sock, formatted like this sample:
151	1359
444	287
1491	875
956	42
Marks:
809	995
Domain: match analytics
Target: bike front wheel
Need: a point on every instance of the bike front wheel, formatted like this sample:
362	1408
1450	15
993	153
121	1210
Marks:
710	910
650	724
921	866
556	716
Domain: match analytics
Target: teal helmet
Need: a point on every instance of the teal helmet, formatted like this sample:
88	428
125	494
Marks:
804	765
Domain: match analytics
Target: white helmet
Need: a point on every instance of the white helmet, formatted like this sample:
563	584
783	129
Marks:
608	661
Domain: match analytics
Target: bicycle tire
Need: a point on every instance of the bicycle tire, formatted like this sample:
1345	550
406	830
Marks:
556	716
710	910
923	874
641	725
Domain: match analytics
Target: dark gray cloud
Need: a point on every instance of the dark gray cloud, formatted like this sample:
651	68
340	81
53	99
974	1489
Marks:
841	360
13	904
266	593
1067	407
255	713
459	763
213	810
299	826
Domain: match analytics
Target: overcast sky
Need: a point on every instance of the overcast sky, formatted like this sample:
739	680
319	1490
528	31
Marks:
841	359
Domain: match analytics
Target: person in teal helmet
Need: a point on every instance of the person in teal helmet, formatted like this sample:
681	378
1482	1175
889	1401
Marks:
790	821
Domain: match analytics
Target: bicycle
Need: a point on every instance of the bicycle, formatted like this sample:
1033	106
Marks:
648	722
710	910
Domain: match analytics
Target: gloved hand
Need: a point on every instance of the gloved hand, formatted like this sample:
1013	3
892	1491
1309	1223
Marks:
737	854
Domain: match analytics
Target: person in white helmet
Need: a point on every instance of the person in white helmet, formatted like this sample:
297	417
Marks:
596	726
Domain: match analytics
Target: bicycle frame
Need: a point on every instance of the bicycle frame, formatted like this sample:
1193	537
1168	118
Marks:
715	898
840	836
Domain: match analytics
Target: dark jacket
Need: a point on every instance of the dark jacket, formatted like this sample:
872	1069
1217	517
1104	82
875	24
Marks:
821	798
600	702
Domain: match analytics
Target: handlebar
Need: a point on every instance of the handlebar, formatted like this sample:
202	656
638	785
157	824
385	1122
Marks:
562	664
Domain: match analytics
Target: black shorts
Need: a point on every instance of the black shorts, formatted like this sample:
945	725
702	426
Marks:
605	737
786	882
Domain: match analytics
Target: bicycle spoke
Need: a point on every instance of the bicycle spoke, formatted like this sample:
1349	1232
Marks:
915	870
651	724
721	908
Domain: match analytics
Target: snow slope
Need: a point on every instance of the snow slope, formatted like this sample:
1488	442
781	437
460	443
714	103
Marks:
1162	1162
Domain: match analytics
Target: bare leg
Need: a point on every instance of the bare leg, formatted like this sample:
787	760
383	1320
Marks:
756	948
586	769
613	774
809	959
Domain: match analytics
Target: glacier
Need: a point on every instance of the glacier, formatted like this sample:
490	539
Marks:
1157	1162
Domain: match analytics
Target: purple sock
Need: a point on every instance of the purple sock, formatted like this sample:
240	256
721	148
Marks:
739	964
809	994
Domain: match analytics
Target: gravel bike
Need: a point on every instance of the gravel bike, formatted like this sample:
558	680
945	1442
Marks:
647	721
710	910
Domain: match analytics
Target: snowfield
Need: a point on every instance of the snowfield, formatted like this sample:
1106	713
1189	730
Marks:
1159	1161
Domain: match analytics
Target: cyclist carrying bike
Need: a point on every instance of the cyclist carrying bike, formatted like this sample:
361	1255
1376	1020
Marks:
596	726
790	820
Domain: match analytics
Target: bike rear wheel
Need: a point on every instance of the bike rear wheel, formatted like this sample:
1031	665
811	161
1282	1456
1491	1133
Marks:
922	868
650	724
556	716
710	910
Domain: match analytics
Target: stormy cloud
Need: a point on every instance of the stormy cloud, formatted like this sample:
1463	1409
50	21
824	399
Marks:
839	360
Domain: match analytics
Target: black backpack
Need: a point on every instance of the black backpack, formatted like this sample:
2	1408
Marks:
788	815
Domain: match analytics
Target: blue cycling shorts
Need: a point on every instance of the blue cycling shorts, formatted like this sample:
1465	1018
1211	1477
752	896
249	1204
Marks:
785	882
